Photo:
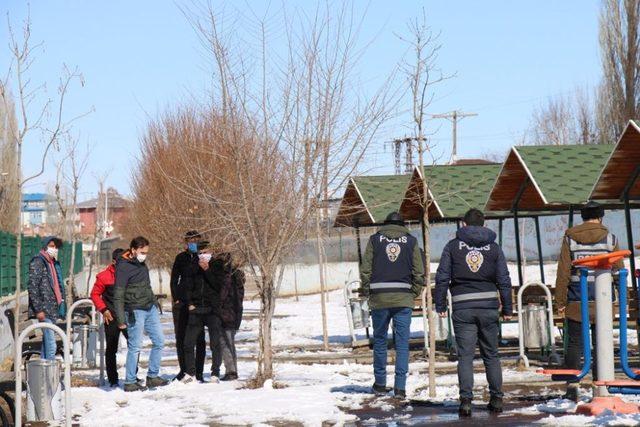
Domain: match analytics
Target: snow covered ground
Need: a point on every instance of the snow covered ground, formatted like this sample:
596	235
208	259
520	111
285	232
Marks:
310	394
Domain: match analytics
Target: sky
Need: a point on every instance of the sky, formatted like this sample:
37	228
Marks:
138	58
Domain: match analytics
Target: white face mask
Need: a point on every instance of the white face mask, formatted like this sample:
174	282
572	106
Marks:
141	257
53	252
205	257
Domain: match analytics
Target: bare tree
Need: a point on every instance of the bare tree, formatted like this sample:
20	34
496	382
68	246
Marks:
423	74
99	226
248	168
70	171
564	120
9	196
39	117
619	92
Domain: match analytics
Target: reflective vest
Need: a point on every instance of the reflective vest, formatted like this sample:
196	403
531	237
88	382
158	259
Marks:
582	250
392	266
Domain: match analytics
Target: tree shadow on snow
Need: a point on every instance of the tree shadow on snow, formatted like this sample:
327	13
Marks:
352	389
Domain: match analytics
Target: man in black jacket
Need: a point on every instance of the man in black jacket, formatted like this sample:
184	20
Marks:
137	310
203	303
474	269
185	267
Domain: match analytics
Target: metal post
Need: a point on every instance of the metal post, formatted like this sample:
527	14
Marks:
570	216
458	224
358	244
514	209
604	326
500	232
518	254
17	363
101	333
539	241
629	226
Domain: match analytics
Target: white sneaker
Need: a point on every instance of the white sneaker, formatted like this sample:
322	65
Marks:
214	379
187	379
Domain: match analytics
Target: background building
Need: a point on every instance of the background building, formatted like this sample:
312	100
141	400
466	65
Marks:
92	213
36	212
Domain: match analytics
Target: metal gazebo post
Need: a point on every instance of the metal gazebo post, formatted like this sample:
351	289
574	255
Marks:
516	219
629	227
570	216
540	257
358	244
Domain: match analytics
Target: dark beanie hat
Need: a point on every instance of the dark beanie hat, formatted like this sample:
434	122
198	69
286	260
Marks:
592	210
48	239
394	218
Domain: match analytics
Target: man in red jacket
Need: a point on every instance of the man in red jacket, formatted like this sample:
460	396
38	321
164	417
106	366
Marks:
102	297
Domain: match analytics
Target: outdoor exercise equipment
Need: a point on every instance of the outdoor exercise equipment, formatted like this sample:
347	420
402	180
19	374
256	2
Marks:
43	382
601	266
575	375
539	331
84	339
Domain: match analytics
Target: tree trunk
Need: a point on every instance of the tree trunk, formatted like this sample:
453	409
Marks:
18	246
72	276
427	271
323	302
265	351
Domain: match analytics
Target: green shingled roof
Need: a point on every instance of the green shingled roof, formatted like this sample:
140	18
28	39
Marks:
565	174
457	188
382	193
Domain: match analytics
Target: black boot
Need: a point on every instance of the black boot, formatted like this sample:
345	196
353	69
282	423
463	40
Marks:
229	376
572	393
134	387
465	407
179	377
156	382
400	394
380	390
495	404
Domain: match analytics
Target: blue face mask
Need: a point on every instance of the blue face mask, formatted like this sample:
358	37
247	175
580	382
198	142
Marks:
193	247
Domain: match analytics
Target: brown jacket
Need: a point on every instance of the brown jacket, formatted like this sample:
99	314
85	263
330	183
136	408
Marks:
585	233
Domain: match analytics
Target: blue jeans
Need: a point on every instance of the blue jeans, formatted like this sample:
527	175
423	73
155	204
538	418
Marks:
149	322
49	346
401	327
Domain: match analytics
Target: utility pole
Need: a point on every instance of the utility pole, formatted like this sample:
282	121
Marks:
408	152
453	117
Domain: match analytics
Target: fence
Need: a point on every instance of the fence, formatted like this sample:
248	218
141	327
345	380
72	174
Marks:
30	247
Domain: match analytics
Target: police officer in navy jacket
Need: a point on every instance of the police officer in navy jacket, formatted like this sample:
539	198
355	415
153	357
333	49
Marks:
474	269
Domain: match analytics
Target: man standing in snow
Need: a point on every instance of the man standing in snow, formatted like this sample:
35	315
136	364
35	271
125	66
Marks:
102	297
185	268
46	292
587	239
392	276
137	310
474	268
